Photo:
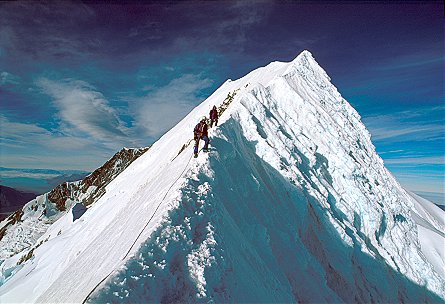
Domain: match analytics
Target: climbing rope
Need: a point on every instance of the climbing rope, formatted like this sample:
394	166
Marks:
166	193
159	205
184	146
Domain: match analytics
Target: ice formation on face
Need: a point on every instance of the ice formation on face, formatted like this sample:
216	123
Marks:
291	204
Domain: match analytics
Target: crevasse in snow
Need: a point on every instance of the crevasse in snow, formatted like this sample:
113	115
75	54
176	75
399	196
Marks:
292	204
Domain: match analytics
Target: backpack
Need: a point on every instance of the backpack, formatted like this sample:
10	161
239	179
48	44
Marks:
198	130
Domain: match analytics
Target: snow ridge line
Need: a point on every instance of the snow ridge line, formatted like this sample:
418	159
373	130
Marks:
184	146
166	193
221	110
222	107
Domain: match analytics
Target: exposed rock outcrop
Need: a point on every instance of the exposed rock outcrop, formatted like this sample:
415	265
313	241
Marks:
44	210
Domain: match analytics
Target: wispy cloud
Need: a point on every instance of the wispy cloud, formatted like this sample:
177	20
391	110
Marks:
81	108
88	129
392	151
8	78
412	140
407	125
30	136
37	180
14	134
26	145
420	60
242	16
209	27
416	161
43	29
424	132
21	174
422	182
163	107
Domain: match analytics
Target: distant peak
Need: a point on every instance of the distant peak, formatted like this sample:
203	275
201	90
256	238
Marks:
304	54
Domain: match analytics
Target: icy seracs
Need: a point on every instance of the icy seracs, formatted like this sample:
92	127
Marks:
292	204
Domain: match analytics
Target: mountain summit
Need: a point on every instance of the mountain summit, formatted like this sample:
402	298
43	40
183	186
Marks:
291	204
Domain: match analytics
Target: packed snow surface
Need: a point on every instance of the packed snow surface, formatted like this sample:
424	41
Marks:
292	204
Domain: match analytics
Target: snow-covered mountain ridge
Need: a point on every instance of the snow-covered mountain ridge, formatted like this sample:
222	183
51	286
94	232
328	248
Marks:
24	227
291	205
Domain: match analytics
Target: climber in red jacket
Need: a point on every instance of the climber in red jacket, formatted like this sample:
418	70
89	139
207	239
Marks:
200	132
213	116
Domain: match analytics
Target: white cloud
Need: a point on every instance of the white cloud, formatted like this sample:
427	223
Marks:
20	133
29	136
21	174
415	161
392	151
162	108
83	109
8	78
406	126
414	132
24	145
421	182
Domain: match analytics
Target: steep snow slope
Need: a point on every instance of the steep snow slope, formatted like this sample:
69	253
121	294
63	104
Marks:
430	220
21	230
292	204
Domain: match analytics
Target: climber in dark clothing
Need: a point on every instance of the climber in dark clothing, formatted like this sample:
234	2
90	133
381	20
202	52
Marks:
213	116
200	132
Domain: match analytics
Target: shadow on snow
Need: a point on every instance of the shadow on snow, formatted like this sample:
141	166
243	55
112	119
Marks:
274	243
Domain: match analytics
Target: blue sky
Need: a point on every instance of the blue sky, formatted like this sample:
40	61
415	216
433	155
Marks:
78	81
